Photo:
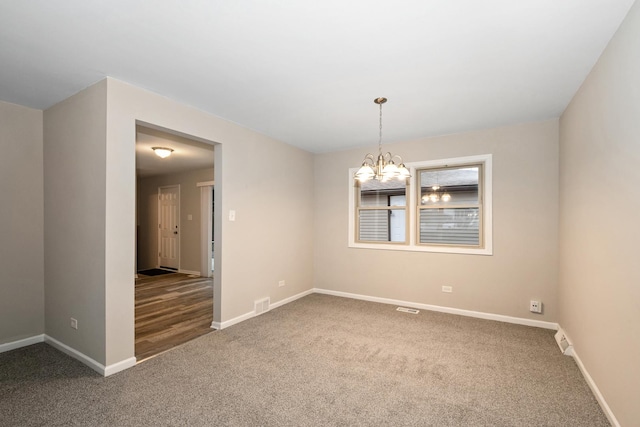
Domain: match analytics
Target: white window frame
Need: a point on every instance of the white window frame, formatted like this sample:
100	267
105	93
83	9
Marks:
380	208
412	211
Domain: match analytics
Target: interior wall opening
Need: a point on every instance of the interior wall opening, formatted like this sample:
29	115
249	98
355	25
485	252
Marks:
173	294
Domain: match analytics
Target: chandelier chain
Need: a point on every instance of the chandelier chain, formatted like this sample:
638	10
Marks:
380	135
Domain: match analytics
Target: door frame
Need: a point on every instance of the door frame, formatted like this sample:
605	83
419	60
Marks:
206	226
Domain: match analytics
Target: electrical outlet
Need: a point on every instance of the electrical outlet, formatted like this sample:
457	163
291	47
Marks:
74	323
535	306
281	283
447	289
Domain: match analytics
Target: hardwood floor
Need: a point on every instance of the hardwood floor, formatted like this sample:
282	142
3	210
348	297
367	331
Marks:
171	309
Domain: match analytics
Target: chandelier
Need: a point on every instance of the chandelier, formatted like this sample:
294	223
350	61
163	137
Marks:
383	168
436	195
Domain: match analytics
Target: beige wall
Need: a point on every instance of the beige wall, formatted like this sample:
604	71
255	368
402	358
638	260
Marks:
22	223
599	228
89	205
525	228
269	184
190	234
74	212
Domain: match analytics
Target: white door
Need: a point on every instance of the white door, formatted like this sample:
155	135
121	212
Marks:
168	231
397	219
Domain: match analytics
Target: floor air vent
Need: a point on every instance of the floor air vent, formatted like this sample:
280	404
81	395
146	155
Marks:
261	305
565	346
408	310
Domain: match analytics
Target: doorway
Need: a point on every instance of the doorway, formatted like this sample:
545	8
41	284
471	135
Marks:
173	301
171	309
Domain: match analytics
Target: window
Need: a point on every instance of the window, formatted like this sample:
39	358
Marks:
450	207
444	207
381	210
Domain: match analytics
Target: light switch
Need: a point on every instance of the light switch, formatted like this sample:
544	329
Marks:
190	217
232	215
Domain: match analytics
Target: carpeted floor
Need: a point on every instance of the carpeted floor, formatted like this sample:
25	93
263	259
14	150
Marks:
320	360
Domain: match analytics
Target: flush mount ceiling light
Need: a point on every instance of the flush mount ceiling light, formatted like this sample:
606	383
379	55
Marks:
383	168
162	152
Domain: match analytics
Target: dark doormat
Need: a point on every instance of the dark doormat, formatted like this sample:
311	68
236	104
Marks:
155	272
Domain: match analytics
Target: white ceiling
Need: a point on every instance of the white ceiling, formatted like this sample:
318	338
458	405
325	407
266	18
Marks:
306	72
187	154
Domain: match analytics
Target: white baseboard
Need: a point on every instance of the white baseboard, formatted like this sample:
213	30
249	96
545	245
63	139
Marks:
249	315
114	368
290	299
197	273
594	388
96	366
231	322
490	316
21	343
458	311
127	363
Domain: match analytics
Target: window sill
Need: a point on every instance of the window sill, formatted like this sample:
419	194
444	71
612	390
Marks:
414	248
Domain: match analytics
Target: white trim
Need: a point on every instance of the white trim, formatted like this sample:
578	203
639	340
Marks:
120	366
231	322
206	230
450	310
596	391
486	159
290	299
477	314
249	315
592	385
21	343
96	366
205	184
458	311
417	248
189	272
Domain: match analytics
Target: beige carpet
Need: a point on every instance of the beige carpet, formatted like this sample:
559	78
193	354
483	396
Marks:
320	360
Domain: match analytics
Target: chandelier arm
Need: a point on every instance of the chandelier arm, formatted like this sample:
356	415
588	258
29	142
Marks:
369	159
